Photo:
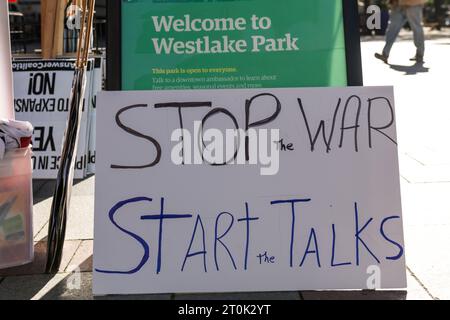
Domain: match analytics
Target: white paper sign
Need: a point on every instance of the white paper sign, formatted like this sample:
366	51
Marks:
42	91
6	91
96	87
328	216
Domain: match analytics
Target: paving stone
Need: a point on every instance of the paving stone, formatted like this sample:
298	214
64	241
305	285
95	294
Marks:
46	189
415	290
426	204
82	259
415	172
84	187
62	286
428	156
136	297
41	214
28	287
72	286
37	185
80	220
354	295
241	296
40	260
42	234
423	131
428	257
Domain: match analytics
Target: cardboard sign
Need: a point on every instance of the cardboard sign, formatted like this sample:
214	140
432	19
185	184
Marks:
6	91
42	91
96	87
309	197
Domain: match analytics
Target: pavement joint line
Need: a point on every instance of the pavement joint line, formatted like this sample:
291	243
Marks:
45	224
73	255
404	178
432	182
42	186
416	160
40	230
421	284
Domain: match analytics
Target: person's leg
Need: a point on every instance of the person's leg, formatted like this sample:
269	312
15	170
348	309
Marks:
397	21
414	15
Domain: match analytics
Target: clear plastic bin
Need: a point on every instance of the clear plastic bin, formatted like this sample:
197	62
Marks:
16	209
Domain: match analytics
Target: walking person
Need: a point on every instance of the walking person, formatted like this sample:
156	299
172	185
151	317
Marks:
403	11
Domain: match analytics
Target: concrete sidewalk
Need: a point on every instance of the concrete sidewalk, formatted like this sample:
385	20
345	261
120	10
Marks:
423	110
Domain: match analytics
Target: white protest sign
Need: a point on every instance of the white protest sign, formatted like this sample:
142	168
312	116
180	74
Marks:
96	87
319	208
6	91
42	90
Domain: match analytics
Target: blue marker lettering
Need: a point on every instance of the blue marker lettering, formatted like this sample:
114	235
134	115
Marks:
400	248
247	219
312	236
161	217
333	251
358	238
144	245
203	252
219	239
292	202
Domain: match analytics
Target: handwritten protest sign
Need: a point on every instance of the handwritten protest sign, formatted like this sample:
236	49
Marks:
304	196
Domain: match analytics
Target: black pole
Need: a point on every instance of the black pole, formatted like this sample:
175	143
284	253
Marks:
352	43
113	45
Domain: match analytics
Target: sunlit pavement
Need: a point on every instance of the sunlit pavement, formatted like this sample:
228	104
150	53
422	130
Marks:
423	112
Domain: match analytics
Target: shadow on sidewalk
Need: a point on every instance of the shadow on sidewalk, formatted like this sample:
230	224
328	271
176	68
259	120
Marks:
41	286
44	189
356	295
30	282
410	70
70	260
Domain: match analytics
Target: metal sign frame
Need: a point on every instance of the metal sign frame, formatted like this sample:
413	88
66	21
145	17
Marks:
114	50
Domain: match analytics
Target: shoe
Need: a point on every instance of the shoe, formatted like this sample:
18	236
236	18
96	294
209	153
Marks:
418	59
381	57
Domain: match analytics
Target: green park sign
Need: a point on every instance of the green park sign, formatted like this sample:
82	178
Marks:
192	44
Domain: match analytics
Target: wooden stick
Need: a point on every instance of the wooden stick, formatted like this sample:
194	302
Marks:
48	14
58	36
